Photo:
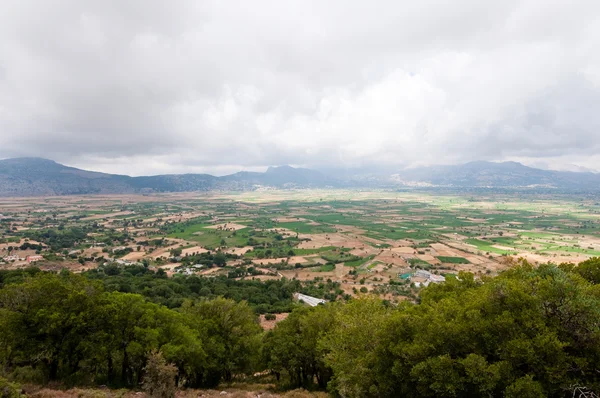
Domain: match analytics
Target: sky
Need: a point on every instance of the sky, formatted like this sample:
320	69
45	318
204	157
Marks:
145	87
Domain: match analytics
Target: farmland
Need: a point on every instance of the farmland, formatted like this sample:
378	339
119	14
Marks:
356	239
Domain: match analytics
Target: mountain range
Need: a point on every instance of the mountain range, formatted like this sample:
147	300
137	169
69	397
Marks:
41	177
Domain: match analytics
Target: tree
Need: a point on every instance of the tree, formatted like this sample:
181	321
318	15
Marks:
590	270
220	259
51	314
355	350
293	346
159	377
231	333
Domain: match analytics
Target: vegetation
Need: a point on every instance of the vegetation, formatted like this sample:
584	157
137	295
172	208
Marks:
159	377
168	293
65	327
9	390
453	260
527	332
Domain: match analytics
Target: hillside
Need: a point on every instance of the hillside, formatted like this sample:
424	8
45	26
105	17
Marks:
38	177
506	174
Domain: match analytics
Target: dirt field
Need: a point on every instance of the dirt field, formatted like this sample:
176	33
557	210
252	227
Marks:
386	233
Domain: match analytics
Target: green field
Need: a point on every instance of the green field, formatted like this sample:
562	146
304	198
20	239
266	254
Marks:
453	260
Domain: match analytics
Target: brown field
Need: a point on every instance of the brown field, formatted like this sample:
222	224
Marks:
363	226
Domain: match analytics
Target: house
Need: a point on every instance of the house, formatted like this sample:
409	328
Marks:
14	257
32	259
312	301
424	278
421	273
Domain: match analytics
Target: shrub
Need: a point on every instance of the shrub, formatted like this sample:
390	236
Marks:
9	390
270	317
27	374
159	377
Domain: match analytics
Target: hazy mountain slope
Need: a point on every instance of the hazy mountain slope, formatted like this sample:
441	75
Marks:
174	183
36	177
506	174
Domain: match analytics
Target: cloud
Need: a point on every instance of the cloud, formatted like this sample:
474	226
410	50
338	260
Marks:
144	87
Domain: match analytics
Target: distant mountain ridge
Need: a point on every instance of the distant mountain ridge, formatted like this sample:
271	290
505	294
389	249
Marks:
43	177
39	177
505	174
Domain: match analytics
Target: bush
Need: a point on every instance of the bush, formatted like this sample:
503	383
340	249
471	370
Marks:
9	390
270	317
525	387
159	377
27	374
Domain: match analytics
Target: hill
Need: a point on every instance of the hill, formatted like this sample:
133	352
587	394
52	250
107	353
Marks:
505	174
39	177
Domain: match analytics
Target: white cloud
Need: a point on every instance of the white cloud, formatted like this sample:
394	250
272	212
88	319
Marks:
156	87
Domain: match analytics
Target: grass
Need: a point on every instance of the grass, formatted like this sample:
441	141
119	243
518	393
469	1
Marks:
487	246
304	228
326	267
338	256
305	252
417	261
453	260
358	262
374	264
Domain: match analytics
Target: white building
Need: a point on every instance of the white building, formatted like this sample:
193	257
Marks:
312	301
421	273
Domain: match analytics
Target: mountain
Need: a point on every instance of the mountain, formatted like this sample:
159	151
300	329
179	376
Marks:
39	177
36	177
42	177
491	174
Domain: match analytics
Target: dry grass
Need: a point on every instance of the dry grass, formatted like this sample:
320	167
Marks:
236	391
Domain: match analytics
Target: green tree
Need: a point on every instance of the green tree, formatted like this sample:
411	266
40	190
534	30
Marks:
231	333
293	346
355	352
159	377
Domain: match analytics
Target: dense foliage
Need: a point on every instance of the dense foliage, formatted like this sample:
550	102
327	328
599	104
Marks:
530	332
58	239
267	296
65	327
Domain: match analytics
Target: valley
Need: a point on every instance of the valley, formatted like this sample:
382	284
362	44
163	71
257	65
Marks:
349	242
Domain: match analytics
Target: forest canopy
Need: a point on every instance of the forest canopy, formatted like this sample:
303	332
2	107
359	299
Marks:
529	332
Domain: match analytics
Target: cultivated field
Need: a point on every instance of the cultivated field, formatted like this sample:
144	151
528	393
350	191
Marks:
362	241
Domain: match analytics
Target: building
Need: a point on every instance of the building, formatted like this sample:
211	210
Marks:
32	259
423	278
421	273
312	301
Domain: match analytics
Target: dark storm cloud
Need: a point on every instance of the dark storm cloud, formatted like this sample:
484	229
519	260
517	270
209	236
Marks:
147	87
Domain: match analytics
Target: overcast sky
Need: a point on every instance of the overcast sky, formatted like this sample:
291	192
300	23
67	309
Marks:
148	87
